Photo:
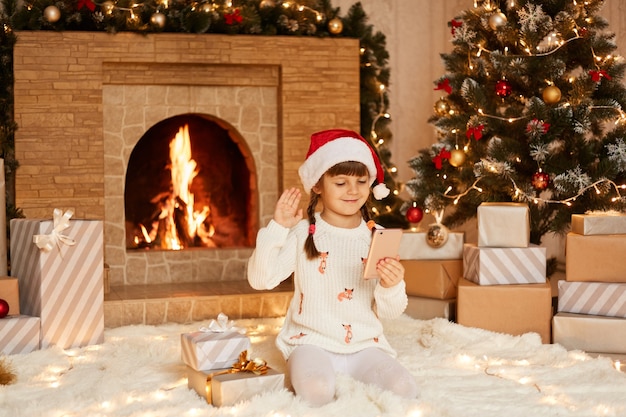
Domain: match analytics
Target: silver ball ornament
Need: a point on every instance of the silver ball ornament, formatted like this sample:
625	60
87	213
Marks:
497	20
437	235
51	14
267	3
107	7
158	19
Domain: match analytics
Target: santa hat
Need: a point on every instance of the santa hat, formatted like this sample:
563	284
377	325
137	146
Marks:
330	147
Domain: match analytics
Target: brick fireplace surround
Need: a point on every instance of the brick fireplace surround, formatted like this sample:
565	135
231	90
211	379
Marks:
84	99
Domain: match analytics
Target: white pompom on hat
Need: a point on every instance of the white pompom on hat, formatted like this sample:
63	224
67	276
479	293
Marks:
331	147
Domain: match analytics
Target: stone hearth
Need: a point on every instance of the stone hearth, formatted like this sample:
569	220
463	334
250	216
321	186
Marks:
84	99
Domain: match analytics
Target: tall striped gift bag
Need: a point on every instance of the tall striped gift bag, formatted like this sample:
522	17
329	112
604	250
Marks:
59	264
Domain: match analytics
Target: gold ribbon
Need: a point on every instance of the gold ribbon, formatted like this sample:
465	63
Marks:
61	222
256	366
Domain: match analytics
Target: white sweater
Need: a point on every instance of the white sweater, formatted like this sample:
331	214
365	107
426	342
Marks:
333	307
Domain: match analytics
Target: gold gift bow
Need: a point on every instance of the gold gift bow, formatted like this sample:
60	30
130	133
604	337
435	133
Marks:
257	366
61	222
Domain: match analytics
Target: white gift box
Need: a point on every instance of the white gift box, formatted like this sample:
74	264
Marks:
206	350
503	225
596	298
414	246
599	223
19	334
61	284
494	266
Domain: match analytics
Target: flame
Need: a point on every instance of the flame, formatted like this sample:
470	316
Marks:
178	215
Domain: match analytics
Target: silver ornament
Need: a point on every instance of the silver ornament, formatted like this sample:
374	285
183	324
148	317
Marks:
158	19
51	14
437	235
497	20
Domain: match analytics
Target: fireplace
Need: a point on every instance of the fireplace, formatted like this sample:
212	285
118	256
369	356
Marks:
188	185
88	105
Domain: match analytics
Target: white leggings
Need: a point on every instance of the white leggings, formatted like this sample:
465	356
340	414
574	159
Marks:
313	372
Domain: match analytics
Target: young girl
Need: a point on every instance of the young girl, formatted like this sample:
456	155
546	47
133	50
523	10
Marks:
332	324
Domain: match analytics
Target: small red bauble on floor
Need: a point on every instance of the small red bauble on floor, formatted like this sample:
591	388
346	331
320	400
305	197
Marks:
540	180
4	308
414	214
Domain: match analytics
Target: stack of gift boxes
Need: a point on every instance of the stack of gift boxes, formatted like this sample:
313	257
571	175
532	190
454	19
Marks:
219	368
591	311
431	274
55	285
504	287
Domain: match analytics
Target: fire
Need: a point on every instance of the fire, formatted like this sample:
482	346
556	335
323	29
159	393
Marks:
179	224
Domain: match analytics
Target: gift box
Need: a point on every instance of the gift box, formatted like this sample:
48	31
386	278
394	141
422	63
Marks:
512	309
207	350
433	279
589	333
497	266
597	298
19	334
242	381
9	292
599	223
414	246
62	282
423	308
596	258
503	225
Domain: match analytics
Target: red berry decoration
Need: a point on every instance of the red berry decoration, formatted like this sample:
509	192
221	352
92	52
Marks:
414	214
4	308
503	88
540	180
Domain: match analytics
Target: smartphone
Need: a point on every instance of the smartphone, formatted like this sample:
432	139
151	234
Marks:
385	244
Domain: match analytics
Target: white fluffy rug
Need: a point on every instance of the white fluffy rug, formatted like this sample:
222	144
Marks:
462	372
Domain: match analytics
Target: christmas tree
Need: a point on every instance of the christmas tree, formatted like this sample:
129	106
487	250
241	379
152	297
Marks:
531	111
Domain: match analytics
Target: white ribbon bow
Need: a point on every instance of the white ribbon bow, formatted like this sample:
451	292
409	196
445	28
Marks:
55	238
222	325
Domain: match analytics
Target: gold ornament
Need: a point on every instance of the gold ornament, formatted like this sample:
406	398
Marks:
108	6
206	8
457	157
335	26
267	3
158	19
51	14
497	20
437	235
442	107
551	94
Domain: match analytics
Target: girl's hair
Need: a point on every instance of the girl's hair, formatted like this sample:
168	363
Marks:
342	168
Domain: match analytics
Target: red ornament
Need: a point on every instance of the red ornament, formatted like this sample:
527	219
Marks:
4	308
232	18
414	214
503	88
540	180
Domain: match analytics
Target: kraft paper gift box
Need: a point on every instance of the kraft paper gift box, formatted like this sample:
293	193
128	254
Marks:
207	350
598	258
432	279
61	283
512	309
596	298
19	334
230	388
589	333
599	223
414	246
503	225
423	308
499	266
9	292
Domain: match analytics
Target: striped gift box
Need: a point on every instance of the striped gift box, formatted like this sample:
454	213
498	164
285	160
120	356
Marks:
19	334
595	298
204	351
62	286
495	266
